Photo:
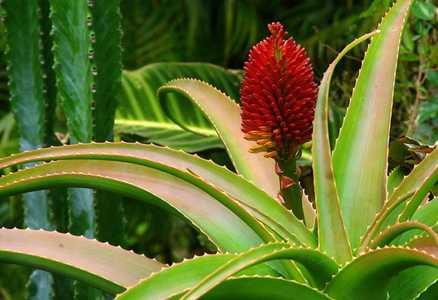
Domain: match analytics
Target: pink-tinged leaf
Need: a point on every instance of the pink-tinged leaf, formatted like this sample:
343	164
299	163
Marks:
332	237
224	114
257	202
209	209
391	233
360	157
110	268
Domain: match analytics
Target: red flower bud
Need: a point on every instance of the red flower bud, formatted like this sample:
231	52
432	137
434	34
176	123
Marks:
278	95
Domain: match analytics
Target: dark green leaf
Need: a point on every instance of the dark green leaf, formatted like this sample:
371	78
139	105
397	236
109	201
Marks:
141	114
423	10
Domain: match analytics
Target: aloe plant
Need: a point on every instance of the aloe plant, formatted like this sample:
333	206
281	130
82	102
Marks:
370	237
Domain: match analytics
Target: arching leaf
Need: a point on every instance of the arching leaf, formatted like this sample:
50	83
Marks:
140	113
212	270
266	209
320	267
224	114
262	288
100	265
367	277
209	209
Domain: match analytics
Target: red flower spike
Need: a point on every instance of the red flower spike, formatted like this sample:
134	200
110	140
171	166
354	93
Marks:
278	95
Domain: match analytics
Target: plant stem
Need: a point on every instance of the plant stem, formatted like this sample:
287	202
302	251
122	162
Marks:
290	189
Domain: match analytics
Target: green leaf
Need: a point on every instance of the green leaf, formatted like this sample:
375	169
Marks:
423	10
432	77
100	265
202	274
262	288
224	114
140	112
427	214
320	267
394	179
420	180
208	213
176	278
392	232
368	276
332	237
210	210
266	209
414	187
410	284
362	147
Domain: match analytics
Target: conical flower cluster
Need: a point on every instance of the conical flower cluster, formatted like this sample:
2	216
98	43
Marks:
278	95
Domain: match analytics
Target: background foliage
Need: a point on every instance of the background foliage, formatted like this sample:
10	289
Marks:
222	32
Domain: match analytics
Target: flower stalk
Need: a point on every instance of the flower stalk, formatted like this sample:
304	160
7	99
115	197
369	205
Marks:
278	98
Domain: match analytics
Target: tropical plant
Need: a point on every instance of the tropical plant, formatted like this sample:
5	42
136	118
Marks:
370	237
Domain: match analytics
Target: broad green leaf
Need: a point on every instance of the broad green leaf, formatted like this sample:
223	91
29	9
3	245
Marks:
428	213
176	279
361	153
266	209
140	113
410	284
100	265
320	267
262	288
224	115
204	273
26	87
430	293
332	237
107	56
214	213
368	276
414	187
